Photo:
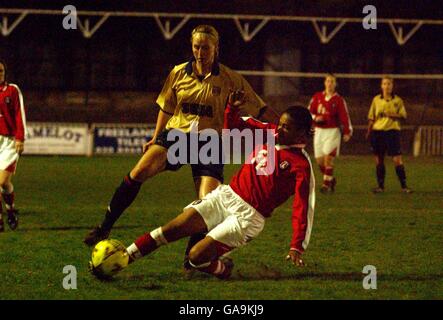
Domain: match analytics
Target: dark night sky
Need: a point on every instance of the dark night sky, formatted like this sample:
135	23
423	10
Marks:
352	8
44	55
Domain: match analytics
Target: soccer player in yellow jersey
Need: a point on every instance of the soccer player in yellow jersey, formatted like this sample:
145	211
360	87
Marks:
193	98
385	114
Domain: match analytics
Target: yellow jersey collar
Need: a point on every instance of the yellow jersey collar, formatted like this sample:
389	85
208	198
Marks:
215	67
383	98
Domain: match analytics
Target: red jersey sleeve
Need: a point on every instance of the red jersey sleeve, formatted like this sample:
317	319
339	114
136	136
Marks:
300	209
343	115
313	104
19	110
233	120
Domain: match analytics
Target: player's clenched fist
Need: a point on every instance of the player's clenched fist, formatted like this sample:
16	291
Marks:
346	137
19	146
236	98
295	257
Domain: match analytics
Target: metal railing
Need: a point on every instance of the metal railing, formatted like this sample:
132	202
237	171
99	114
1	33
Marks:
428	141
243	22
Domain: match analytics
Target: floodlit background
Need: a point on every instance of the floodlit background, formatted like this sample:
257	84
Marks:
75	87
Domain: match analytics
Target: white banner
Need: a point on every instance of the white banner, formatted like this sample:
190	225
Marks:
57	139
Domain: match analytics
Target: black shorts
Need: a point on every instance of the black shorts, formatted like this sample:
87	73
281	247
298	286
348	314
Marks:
383	142
212	168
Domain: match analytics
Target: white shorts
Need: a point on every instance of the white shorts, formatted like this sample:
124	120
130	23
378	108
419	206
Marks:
230	220
327	142
8	155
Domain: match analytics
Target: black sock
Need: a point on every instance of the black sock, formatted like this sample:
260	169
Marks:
401	174
124	195
381	172
192	242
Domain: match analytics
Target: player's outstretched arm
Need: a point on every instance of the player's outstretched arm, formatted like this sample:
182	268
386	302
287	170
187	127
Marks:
301	223
232	118
296	258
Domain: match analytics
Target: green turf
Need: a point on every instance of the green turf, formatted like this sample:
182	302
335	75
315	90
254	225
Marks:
61	198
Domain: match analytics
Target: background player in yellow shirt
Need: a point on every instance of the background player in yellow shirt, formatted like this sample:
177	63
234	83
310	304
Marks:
385	114
193	98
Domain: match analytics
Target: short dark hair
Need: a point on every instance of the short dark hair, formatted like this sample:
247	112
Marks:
301	116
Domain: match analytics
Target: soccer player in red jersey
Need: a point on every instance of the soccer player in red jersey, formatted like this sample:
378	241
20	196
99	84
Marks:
12	137
330	115
234	214
193	99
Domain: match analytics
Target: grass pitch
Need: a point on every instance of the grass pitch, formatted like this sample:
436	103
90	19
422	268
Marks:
61	198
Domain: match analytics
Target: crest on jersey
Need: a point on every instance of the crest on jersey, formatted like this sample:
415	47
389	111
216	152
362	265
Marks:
216	91
8	100
284	165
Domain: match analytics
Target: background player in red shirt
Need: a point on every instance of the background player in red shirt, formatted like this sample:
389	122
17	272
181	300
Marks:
330	115
234	215
12	137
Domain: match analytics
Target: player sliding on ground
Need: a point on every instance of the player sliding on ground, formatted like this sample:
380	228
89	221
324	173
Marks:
234	214
193	97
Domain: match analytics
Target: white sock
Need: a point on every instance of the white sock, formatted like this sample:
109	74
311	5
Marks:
133	252
158	236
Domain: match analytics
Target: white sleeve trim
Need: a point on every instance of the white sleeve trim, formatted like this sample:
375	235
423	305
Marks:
311	204
247	118
351	129
22	109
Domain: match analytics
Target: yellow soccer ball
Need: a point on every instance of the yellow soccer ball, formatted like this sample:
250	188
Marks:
108	258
